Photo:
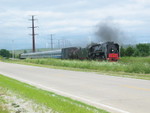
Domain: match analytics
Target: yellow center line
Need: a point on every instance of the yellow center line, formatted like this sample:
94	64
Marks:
133	87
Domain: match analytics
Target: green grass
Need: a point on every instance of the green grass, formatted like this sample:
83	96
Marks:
133	67
55	102
127	64
3	109
136	64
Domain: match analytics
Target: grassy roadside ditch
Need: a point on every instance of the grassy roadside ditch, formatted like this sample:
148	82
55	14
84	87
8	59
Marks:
132	67
3	108
51	101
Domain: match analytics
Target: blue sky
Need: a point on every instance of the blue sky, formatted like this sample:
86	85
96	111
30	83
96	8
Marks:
73	22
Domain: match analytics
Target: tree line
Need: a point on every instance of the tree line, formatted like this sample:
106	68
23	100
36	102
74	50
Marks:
5	53
141	50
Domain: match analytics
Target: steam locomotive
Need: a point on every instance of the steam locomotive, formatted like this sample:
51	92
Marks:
105	51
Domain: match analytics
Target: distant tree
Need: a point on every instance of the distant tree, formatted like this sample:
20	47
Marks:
136	53
5	53
129	51
143	49
122	51
149	48
25	51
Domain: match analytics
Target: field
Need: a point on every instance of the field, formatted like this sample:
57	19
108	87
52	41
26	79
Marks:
19	97
134	67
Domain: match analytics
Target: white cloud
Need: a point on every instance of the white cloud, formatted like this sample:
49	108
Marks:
142	1
130	22
73	22
71	16
66	29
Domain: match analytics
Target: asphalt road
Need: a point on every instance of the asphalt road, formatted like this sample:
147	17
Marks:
115	94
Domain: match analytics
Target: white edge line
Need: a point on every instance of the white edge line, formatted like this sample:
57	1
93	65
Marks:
66	94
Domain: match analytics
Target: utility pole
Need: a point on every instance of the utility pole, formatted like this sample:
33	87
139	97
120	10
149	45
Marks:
51	41
13	51
58	44
33	33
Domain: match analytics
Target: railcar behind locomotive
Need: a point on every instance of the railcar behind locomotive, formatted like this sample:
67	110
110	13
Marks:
104	51
45	54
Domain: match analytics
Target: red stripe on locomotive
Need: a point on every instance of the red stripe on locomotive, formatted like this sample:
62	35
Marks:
113	56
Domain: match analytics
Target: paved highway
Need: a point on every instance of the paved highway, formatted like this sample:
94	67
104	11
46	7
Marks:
115	94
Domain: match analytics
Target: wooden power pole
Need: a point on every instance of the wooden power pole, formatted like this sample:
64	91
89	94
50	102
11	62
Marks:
33	33
51	41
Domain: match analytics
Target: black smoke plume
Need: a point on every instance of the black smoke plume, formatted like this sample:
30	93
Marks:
108	31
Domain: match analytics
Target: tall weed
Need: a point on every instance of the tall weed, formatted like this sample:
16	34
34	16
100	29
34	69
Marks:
126	64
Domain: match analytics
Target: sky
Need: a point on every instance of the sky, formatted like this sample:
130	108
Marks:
71	22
